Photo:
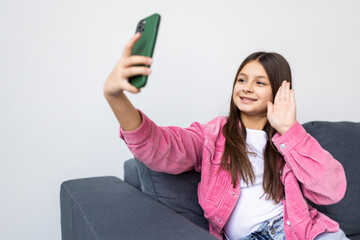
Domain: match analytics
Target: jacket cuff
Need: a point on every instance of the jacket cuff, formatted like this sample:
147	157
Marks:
290	138
138	135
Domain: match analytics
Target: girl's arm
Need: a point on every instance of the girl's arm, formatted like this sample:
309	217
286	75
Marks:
322	177
118	81
167	149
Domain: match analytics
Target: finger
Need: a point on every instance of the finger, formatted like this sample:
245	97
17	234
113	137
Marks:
270	108
130	44
283	88
131	88
137	60
287	91
292	95
278	95
135	71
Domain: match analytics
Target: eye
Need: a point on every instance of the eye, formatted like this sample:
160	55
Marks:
241	80
260	83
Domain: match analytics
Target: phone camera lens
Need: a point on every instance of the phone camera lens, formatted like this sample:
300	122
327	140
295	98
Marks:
141	27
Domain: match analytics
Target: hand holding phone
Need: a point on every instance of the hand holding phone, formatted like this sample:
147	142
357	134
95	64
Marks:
148	28
131	71
128	66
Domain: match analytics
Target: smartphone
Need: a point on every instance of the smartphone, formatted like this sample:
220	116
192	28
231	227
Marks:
148	27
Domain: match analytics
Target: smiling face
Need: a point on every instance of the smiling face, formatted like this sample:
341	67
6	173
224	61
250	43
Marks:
252	91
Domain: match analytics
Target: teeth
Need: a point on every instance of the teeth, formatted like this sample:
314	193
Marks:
248	99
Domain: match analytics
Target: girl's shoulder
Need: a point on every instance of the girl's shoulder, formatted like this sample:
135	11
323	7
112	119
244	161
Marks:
218	121
214	127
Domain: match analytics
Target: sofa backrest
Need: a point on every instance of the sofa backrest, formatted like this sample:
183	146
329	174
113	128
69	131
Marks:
342	140
179	192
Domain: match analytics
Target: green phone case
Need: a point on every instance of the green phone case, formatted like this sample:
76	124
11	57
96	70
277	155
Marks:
145	45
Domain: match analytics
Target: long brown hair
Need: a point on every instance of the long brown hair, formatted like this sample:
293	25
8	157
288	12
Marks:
278	70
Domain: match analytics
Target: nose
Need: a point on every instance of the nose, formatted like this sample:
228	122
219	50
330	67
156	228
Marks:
248	87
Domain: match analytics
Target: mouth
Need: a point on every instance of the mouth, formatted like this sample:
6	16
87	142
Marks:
247	99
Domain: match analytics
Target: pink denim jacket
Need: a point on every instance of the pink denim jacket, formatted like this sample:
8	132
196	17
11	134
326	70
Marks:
309	171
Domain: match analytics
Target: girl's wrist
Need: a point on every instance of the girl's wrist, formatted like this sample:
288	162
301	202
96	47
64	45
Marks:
283	129
110	96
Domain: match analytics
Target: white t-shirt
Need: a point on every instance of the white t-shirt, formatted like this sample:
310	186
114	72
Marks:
252	208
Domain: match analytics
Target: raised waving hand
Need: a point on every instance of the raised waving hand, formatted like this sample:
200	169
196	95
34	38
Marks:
282	113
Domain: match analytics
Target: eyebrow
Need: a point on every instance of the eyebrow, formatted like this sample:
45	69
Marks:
258	76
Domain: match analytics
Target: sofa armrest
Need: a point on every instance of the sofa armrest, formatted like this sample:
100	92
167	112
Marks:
109	208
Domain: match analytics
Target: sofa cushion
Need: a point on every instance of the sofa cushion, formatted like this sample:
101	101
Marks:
106	208
342	140
178	192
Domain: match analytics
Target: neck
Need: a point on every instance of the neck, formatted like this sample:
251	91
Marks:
254	122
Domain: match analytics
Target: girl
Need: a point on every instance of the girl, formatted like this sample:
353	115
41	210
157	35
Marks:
257	165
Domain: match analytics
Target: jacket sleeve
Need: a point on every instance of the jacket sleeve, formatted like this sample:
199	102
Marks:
166	149
322	178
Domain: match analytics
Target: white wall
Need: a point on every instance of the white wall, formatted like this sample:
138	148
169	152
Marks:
55	124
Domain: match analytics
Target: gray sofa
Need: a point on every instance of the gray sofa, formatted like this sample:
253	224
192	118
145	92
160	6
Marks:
153	205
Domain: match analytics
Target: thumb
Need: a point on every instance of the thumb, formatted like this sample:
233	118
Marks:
270	107
130	88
